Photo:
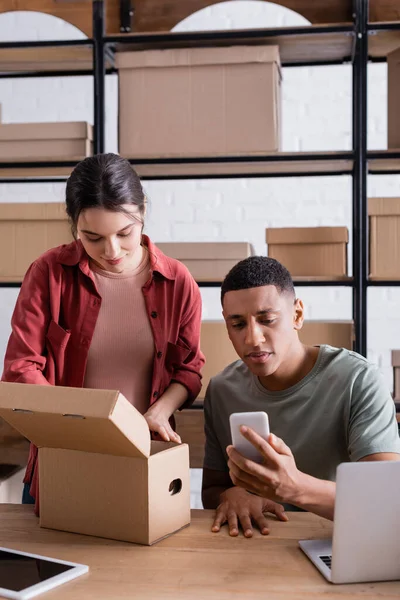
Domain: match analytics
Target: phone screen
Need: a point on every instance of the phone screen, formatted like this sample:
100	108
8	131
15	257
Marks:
18	572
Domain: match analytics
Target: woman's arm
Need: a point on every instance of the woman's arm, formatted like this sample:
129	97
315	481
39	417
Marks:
24	359
188	361
188	371
159	413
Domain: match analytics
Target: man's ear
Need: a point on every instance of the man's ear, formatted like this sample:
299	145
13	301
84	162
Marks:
298	314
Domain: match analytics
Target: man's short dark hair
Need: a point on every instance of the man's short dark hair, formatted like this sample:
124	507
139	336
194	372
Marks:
257	271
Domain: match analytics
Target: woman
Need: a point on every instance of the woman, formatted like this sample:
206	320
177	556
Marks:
109	310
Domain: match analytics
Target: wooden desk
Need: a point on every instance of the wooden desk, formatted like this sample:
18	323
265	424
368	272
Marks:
192	564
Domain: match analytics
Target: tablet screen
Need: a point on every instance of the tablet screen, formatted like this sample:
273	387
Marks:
18	572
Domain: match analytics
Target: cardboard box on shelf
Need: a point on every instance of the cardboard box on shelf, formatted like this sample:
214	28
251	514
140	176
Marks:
384	235
339	334
310	251
120	484
219	352
199	101
207	261
45	141
396	374
26	231
393	77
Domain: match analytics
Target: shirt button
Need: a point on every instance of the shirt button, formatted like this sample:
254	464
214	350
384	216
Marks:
155	394
153	315
159	354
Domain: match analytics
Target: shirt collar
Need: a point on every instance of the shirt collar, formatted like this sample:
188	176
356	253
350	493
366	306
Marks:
74	254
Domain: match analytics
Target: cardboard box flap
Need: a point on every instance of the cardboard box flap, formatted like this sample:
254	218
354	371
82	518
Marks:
100	421
307	235
41	211
185	57
206	250
383	206
46	131
395	358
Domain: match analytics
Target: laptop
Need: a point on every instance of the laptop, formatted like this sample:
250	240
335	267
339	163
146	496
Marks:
366	528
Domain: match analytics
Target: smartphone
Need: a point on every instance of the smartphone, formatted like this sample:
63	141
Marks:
258	421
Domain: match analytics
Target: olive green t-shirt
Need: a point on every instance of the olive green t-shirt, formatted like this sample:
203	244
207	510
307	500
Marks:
341	411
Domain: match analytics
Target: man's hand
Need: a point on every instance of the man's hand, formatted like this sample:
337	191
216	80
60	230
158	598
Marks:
158	421
238	506
277	478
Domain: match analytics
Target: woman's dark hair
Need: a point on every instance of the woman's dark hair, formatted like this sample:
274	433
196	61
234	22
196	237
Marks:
103	181
257	271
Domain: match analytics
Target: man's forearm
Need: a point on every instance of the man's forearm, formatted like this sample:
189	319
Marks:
316	495
211	495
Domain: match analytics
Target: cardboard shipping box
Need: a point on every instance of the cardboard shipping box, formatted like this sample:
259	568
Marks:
199	101
310	251
99	473
396	374
207	261
393	63
219	352
339	334
384	236
46	141
28	230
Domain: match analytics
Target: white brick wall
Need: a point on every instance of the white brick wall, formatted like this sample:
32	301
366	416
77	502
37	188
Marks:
316	116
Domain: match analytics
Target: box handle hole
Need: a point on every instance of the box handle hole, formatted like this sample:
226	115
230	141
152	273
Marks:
72	416
175	486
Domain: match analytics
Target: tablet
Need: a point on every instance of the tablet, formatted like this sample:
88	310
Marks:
24	575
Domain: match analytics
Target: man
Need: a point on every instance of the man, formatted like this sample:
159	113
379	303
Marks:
325	406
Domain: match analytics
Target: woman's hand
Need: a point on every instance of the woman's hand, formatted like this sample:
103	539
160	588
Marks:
160	412
158	421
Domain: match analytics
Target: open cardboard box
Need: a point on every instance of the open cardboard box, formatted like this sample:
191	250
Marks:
99	472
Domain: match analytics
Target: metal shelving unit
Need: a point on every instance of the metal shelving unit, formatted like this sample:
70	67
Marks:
355	43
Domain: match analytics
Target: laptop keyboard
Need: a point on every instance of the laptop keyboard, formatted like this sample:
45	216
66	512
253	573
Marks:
327	560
